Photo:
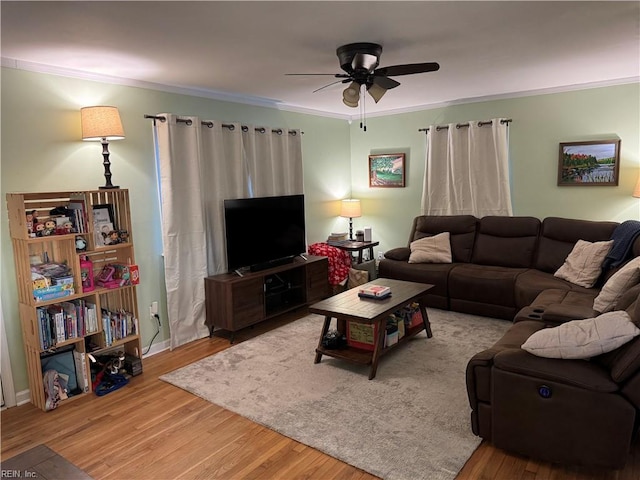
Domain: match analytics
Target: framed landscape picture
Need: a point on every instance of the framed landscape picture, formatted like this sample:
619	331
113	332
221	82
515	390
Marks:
387	170
595	163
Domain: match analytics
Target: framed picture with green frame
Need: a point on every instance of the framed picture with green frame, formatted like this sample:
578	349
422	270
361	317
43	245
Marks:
387	170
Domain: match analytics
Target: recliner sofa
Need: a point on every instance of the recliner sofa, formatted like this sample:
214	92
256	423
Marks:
500	264
583	412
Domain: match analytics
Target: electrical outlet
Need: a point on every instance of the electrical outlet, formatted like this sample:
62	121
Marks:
380	255
154	308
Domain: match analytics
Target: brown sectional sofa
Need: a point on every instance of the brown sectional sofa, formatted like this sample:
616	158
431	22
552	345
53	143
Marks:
570	411
500	264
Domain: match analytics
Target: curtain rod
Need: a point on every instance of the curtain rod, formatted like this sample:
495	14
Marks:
460	125
230	126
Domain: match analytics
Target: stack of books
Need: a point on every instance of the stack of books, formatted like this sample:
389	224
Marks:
337	237
377	292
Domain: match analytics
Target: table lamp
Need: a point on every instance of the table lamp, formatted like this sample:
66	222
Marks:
350	209
102	124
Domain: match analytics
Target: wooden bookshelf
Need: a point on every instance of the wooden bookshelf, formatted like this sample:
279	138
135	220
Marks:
60	248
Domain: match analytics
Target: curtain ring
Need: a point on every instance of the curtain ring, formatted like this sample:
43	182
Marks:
245	128
458	126
208	124
293	132
438	128
261	130
189	122
279	131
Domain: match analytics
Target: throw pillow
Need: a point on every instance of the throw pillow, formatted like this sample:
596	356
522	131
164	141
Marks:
617	285
582	339
357	278
436	249
584	263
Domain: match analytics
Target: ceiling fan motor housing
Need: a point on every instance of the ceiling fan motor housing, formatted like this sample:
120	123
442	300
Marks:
359	58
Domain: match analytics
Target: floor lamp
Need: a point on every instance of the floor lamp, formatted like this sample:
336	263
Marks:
350	209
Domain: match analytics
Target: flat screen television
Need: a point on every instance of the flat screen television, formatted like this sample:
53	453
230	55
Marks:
264	232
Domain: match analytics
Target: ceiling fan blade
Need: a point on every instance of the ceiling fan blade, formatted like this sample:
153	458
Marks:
408	69
385	82
336	75
346	80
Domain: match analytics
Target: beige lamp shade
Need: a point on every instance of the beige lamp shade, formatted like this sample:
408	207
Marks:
350	208
636	191
101	122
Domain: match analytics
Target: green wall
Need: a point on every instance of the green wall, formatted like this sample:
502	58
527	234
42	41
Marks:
539	124
42	151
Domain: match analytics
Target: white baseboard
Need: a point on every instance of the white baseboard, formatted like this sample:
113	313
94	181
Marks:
24	396
157	348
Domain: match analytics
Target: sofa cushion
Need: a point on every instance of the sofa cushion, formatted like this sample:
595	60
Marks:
559	235
401	253
624	361
583	266
506	241
436	274
461	228
581	339
532	283
435	249
617	285
484	284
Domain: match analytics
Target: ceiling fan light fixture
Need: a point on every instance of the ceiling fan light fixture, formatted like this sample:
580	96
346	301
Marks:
376	92
351	95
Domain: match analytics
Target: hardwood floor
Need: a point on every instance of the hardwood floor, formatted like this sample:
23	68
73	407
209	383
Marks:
153	430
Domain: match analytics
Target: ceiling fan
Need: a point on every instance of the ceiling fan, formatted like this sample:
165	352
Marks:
360	62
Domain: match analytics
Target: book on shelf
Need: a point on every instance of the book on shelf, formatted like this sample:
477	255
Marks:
79	209
81	370
377	292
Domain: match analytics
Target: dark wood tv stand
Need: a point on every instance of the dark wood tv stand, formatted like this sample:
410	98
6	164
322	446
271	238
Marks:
234	302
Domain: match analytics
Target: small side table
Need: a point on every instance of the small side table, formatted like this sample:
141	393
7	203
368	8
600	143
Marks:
355	246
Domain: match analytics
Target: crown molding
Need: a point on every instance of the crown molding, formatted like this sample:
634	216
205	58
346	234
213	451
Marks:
269	103
505	96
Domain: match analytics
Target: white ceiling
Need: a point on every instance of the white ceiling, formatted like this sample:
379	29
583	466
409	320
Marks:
241	50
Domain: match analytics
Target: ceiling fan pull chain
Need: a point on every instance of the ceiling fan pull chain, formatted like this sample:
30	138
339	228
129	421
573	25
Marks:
364	108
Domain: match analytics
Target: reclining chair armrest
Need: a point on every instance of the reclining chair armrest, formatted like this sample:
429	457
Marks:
558	313
480	365
578	373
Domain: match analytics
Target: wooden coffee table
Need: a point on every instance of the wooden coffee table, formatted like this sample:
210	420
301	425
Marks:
347	306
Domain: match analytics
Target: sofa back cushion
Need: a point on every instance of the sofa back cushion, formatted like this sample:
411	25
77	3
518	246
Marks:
559	235
625	361
461	228
506	241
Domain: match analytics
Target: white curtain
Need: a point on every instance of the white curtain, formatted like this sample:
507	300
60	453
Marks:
200	165
467	170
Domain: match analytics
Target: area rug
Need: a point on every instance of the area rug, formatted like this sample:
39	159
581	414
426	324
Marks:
412	421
